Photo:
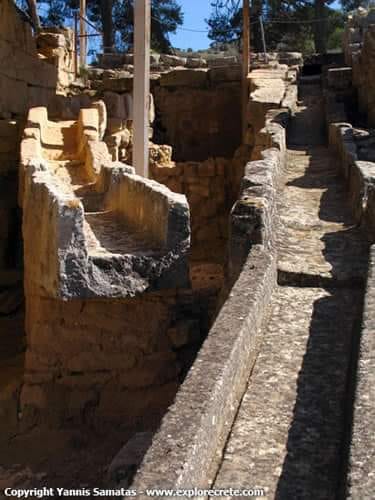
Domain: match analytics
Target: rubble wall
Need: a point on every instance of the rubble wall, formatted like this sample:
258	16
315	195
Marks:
211	188
25	80
99	361
199	112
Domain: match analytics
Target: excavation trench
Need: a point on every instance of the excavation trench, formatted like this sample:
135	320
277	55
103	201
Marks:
290	433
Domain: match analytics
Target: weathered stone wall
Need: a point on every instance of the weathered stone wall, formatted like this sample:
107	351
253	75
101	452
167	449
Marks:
211	188
25	79
269	89
99	361
351	146
31	71
55	46
9	154
347	142
199	112
359	49
197	425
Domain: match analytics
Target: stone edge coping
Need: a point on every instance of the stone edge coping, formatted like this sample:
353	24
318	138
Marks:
188	446
360	474
359	175
186	450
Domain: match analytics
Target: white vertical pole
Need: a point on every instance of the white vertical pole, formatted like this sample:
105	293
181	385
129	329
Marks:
142	33
82	39
245	65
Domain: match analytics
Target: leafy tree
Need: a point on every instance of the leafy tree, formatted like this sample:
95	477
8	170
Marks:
166	16
297	20
115	19
349	5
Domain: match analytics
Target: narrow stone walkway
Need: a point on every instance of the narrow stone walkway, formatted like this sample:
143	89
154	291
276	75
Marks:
288	436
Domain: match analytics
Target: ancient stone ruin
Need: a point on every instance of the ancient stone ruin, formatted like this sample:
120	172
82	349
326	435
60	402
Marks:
209	326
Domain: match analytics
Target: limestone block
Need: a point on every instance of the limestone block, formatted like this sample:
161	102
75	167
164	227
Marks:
88	127
67	108
230	73
290	99
13	95
146	204
100	361
115	125
115	104
102	110
290	58
196	62
339	78
52	40
39	96
222	61
161	157
173	61
30	149
97	156
184	78
123	84
153	370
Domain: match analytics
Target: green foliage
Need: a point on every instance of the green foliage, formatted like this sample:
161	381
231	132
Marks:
335	39
289	23
167	15
349	5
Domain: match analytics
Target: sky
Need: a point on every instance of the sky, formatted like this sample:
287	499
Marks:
195	12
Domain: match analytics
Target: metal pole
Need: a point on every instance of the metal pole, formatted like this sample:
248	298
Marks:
142	34
245	65
263	39
82	41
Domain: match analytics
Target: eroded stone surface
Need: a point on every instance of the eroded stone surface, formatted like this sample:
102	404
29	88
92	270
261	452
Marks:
70	185
318	234
288	432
